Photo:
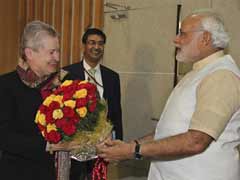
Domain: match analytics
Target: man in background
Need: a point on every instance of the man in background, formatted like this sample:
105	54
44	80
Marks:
108	85
198	132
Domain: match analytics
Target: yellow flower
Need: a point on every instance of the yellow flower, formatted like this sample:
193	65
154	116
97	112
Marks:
82	112
70	103
83	82
51	127
48	100
58	99
57	114
82	93
37	116
66	83
40	118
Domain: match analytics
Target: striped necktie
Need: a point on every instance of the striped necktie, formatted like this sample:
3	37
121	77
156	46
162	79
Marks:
91	78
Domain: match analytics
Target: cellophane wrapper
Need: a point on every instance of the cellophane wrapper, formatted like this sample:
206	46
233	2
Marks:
89	139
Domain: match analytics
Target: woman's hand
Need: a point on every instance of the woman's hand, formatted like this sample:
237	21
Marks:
63	146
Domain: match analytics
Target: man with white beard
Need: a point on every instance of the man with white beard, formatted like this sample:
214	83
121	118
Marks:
197	135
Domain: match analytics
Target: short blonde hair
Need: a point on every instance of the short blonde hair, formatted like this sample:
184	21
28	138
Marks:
33	34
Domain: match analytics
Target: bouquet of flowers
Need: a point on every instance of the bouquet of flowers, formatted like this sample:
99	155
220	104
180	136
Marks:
74	112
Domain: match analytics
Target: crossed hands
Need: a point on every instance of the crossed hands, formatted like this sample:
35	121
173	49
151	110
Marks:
115	150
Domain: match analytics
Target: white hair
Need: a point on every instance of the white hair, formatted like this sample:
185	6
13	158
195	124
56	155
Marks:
213	23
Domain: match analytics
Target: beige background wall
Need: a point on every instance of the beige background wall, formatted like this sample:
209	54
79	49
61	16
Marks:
140	48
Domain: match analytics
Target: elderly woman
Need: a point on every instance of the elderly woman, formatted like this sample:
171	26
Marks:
21	92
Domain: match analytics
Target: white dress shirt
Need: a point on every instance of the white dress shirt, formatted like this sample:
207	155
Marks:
98	76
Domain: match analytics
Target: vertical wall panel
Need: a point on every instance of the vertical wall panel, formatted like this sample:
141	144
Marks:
39	10
98	20
48	11
30	10
77	30
8	35
58	16
88	6
66	33
22	14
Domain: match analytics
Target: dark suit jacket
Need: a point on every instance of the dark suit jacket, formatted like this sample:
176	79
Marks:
111	93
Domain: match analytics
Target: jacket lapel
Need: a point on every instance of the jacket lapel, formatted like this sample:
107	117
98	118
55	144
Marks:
82	74
105	82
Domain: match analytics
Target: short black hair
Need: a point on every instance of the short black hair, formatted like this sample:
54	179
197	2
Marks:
92	31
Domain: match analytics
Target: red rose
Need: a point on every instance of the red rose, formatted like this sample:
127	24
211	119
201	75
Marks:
82	86
53	137
60	123
49	116
68	95
54	105
81	102
58	91
43	109
69	129
68	112
41	127
70	88
92	88
74	120
92	106
92	97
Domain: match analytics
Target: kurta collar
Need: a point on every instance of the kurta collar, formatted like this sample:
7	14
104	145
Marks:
212	58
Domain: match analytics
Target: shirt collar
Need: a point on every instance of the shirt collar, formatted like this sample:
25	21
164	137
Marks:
212	58
87	67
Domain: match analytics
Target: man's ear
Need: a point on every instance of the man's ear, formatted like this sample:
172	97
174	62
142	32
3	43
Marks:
28	53
82	47
207	39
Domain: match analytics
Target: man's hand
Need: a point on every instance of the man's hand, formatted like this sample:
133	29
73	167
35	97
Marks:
116	150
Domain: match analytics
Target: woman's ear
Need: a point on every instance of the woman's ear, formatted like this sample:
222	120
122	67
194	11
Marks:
28	53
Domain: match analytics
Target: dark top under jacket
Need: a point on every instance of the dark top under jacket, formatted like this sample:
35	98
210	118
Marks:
23	147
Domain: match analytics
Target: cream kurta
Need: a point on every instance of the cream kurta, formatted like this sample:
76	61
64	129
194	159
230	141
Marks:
221	159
